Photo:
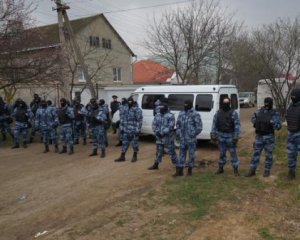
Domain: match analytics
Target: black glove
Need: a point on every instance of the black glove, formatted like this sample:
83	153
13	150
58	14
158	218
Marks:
213	138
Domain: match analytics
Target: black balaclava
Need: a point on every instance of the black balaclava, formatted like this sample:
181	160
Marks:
63	102
130	101
49	103
163	107
43	104
295	95
226	104
93	103
187	105
101	102
22	104
124	101
268	103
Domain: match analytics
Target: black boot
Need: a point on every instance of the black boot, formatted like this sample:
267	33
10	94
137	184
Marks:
94	153
179	172
103	154
291	175
3	136
56	148
31	140
134	157
46	149
84	141
266	173
24	145
250	173
119	144
121	158
71	150
16	146
220	171
76	142
236	172
154	166
64	150
190	171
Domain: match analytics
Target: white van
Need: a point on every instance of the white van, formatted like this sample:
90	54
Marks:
247	99
206	100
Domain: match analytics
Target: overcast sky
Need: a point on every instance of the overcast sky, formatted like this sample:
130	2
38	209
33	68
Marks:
131	24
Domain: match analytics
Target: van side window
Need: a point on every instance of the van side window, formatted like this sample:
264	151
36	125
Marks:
234	101
149	100
176	101
204	102
222	96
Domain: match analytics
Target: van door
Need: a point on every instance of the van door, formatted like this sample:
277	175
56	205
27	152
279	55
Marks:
147	105
204	105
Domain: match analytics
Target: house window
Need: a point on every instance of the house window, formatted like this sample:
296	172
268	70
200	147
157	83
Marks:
117	74
80	74
106	43
78	96
94	41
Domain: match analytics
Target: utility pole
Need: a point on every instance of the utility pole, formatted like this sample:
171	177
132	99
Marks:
62	15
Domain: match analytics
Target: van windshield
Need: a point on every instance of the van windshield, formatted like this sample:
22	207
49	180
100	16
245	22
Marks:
243	94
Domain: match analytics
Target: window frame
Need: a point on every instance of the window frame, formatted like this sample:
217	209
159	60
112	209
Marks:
179	107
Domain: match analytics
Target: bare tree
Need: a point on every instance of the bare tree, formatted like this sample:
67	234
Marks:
278	49
191	40
21	62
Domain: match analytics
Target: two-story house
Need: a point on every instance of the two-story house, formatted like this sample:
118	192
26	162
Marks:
107	57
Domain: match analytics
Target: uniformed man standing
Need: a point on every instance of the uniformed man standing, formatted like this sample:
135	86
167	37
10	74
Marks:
23	116
188	127
65	117
114	107
5	119
34	106
122	110
265	121
46	121
163	126
131	126
226	130
293	126
79	123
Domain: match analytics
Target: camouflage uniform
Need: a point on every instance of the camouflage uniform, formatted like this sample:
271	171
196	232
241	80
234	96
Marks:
34	106
104	108
293	139
227	139
122	110
66	117
268	121
5	119
46	121
163	127
188	127
22	115
131	125
79	124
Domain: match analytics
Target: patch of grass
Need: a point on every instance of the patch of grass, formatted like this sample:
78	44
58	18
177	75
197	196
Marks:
264	233
203	191
244	153
253	218
120	222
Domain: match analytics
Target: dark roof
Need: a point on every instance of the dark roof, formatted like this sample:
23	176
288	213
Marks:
51	35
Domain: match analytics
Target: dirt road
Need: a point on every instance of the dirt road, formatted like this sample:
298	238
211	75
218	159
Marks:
81	197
